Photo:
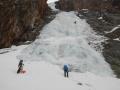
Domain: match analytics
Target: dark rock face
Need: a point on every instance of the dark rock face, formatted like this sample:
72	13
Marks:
18	18
69	5
116	4
111	51
93	5
115	34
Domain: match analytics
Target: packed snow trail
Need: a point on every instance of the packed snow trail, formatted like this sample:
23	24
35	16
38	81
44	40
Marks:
65	40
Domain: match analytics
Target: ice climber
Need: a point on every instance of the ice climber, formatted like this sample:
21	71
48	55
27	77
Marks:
66	70
20	66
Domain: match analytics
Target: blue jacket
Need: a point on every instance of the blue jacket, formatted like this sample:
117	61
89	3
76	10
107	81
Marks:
66	68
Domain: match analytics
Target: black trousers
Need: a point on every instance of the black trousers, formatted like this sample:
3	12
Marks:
66	74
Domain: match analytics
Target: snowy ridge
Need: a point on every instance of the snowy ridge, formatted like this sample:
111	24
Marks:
66	40
52	6
51	1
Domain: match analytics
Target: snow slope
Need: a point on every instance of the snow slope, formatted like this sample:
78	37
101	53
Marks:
39	75
45	76
66	40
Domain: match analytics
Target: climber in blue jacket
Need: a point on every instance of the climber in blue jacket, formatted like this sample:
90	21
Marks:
66	70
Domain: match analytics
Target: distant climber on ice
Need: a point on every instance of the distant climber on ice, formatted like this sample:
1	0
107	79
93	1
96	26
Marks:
66	70
20	67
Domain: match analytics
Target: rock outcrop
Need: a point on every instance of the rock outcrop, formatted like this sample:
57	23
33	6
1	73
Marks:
18	18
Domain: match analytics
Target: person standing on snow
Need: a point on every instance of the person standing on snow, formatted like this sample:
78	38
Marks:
66	70
20	66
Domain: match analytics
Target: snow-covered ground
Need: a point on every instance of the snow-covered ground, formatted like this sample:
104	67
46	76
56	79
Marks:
45	76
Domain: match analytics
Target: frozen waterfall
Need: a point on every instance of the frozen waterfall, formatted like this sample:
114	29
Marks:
65	40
